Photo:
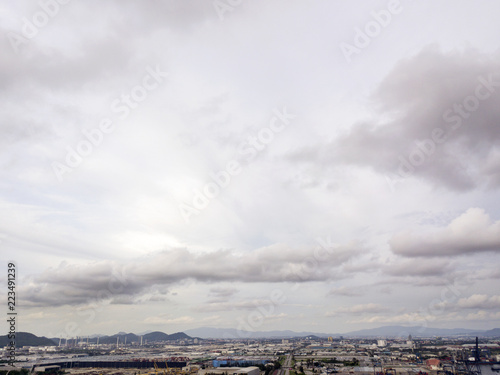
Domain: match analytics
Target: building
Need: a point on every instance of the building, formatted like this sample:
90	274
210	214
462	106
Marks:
231	371
47	368
381	343
433	363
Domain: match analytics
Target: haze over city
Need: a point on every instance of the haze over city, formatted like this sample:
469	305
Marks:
320	166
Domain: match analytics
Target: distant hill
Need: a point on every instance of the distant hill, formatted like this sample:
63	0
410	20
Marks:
495	332
26	339
386	331
122	338
160	336
231	333
402	331
130	338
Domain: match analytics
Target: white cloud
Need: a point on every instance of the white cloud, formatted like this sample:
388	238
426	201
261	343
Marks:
166	319
470	233
480	301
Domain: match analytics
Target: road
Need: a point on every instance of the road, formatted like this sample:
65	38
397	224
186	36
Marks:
285	369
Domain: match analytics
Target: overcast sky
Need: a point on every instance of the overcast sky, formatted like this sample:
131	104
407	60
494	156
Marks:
306	165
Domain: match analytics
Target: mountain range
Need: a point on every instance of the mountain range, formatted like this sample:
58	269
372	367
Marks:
386	331
28	339
130	338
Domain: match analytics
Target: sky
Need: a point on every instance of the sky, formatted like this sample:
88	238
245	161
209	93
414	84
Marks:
319	166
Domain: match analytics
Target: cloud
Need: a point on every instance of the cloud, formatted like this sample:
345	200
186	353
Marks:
418	268
346	291
480	301
471	232
358	309
422	319
483	316
169	14
456	92
167	319
56	68
400	318
113	281
220	294
229	306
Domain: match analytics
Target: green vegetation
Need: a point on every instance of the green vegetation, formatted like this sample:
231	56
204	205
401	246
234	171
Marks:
351	363
269	368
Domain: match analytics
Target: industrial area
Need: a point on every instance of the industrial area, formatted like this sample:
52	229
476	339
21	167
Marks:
292	356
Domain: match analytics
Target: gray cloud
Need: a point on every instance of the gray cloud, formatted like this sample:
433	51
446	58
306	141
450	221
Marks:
418	268
471	232
228	306
171	14
76	284
221	294
456	92
472	302
54	70
358	309
346	291
479	301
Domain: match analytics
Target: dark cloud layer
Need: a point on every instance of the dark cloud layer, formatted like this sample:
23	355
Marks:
419	269
438	119
77	284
